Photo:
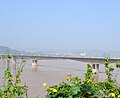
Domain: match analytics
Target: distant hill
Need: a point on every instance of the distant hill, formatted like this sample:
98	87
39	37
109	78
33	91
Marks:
54	52
6	50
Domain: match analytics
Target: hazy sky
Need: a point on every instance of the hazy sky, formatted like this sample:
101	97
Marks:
60	24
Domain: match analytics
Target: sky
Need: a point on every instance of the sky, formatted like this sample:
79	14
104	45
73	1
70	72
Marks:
60	24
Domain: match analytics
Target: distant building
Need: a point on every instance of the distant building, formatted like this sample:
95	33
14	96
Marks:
83	54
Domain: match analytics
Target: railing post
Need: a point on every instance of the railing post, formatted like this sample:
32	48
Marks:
34	65
95	71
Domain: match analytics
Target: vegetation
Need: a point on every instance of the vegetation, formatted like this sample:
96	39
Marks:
74	87
12	87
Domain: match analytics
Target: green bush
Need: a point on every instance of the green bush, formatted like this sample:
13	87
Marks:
11	87
74	87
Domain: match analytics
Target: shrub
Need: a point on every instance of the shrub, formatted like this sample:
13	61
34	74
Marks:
12	87
74	87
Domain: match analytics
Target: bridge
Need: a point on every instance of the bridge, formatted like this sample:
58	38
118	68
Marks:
95	61
99	60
